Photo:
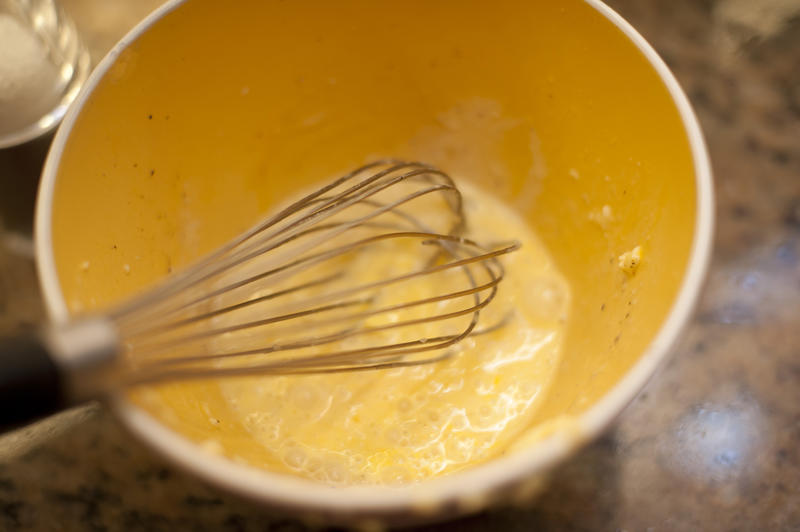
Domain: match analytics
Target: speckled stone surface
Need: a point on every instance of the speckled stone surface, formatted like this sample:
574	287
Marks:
713	442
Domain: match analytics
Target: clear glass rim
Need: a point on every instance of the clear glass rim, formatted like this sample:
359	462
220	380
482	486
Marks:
42	125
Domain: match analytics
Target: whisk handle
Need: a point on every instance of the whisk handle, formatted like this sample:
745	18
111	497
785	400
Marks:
31	384
55	367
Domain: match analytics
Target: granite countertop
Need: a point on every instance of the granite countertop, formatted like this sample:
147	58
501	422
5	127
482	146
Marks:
712	443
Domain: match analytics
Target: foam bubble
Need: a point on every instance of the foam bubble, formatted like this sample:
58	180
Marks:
335	472
404	405
295	458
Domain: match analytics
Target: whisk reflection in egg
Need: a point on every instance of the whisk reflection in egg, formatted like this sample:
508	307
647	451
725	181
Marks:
370	271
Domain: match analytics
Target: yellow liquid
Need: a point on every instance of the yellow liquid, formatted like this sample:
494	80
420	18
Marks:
407	424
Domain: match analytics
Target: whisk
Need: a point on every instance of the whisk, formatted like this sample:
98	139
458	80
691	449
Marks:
367	272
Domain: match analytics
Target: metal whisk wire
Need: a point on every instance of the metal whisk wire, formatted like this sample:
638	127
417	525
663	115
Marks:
289	266
227	256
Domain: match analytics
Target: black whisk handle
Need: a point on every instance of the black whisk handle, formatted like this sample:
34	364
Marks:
31	382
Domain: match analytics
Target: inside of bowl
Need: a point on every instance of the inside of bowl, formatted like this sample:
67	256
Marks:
221	110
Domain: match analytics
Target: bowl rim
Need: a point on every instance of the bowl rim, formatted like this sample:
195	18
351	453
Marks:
469	488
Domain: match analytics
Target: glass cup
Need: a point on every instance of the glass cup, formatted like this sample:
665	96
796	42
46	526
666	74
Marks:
43	65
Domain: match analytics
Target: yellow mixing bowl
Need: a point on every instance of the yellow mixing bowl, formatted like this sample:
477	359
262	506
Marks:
210	112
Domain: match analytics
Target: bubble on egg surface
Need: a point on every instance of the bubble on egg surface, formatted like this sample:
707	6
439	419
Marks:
313	465
394	436
295	457
335	472
458	420
404	405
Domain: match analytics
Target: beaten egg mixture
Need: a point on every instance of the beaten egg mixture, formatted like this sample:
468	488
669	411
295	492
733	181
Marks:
407	424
